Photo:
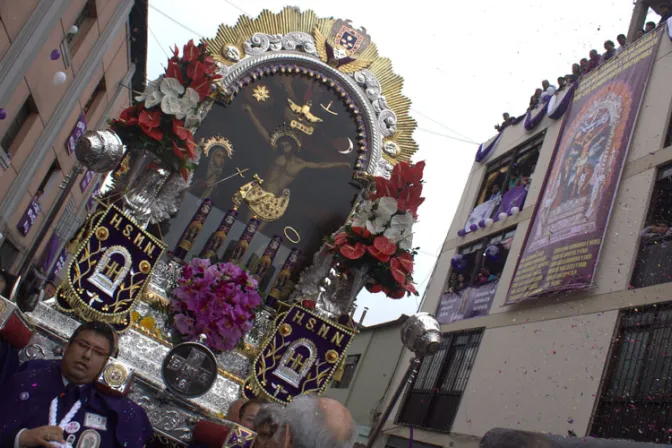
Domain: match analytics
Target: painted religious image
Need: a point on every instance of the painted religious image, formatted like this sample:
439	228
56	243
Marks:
292	135
581	179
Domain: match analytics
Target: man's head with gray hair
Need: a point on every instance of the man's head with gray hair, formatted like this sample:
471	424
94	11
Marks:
315	422
266	424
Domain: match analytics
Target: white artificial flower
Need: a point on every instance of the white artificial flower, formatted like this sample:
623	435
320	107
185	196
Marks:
171	87
153	99
170	105
387	207
400	230
376	226
192	120
187	103
151	87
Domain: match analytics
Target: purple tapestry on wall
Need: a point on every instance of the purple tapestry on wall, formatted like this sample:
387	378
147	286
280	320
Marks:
513	198
77	131
29	217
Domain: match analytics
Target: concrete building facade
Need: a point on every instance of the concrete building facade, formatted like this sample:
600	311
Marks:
592	363
371	360
102	62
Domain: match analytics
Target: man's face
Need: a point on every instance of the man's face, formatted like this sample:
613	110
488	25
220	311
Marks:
85	357
621	40
649	27
247	418
608	46
545	84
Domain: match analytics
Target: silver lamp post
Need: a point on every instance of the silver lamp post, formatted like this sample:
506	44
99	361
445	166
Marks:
421	335
98	151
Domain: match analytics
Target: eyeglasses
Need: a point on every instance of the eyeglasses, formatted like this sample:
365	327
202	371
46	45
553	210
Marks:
85	347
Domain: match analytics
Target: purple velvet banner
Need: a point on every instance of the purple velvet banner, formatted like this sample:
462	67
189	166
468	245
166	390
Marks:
532	121
513	198
29	217
58	266
470	302
559	103
86	180
300	357
77	131
51	251
565	235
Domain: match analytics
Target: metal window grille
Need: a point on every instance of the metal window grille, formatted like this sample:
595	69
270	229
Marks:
435	396
348	372
635	401
15	126
69	222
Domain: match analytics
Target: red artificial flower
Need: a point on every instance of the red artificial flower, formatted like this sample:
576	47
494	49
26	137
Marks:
176	52
149	123
397	294
397	271
409	199
191	148
191	51
375	253
309	304
341	239
406	262
361	231
179	130
201	86
129	115
174	71
384	245
374	288
196	70
410	288
383	189
185	173
353	252
179	152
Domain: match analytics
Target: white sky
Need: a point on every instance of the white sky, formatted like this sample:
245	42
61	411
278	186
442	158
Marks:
464	63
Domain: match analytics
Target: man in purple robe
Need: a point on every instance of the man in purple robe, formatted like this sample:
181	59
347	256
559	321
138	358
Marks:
57	404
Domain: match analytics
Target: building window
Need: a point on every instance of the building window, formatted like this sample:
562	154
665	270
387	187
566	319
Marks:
49	183
96	97
84	21
483	262
636	394
434	398
654	259
8	255
27	109
348	372
514	168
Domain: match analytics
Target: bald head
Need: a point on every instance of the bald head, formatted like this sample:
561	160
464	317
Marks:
234	410
313	422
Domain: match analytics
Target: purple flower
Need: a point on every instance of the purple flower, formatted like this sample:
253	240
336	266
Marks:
184	324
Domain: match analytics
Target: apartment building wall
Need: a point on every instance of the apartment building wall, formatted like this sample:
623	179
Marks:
540	363
98	67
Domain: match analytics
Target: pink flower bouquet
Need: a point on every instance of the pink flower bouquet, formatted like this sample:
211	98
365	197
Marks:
217	300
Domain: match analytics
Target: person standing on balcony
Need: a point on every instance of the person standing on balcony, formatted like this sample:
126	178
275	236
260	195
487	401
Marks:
611	50
621	43
650	26
594	59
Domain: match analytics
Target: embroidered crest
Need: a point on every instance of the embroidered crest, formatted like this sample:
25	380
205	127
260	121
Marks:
89	439
94	421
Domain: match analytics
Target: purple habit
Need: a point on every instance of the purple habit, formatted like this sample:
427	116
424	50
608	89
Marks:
27	395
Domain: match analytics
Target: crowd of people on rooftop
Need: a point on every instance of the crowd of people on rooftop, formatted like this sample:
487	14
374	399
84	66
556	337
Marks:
583	67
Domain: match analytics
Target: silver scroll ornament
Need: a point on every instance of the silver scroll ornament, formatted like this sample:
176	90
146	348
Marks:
99	151
421	334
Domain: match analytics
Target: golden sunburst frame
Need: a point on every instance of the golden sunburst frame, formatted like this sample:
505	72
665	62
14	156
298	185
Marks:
336	48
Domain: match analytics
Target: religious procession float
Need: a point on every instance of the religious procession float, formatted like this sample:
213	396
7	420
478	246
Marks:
257	187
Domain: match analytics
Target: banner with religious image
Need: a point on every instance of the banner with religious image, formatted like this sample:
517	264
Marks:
565	236
300	357
466	304
110	269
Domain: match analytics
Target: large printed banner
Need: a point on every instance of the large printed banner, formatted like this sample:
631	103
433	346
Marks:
466	304
566	232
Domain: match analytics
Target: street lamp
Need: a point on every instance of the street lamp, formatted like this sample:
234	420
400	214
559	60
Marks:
421	335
